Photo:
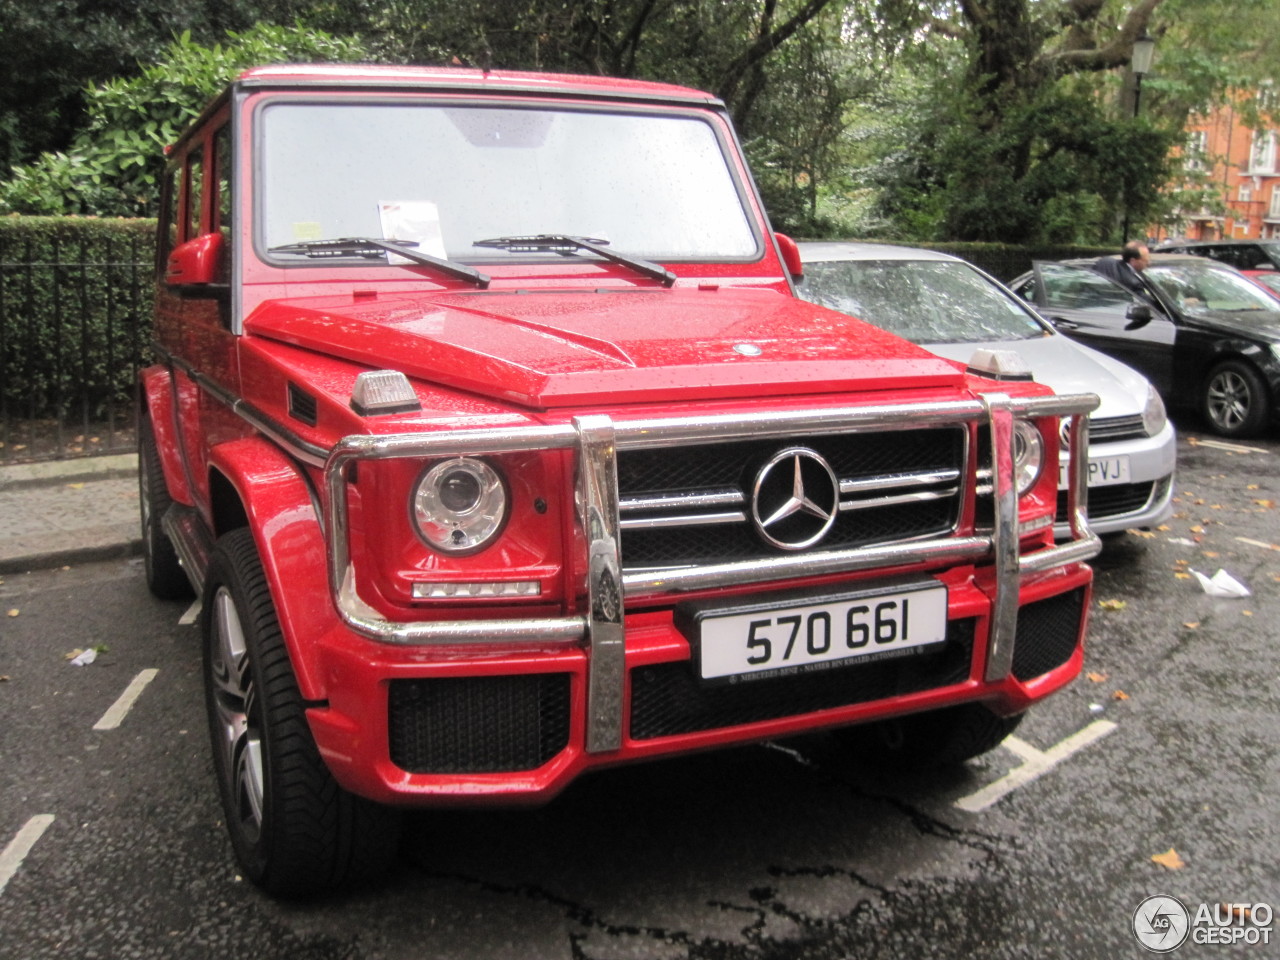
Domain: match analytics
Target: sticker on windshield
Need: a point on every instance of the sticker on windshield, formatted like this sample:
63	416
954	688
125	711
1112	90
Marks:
417	221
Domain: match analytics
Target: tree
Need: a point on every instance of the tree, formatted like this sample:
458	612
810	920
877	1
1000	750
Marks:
112	167
1025	144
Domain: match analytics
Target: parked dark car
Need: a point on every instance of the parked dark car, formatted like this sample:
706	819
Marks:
1205	335
1241	254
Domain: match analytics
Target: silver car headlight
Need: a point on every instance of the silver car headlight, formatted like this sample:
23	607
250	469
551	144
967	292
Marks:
460	505
1028	455
1153	414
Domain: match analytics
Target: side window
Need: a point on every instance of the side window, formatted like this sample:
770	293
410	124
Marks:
223	207
1068	288
170	197
194	193
222	171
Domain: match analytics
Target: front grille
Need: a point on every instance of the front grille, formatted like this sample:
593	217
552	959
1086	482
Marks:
1112	429
478	724
692	505
668	698
1111	501
1047	634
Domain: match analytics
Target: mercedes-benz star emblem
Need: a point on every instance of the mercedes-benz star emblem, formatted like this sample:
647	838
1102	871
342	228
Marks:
795	499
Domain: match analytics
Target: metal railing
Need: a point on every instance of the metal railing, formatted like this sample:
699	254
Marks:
75	325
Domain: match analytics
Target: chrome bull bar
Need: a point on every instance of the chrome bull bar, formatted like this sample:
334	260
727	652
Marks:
596	440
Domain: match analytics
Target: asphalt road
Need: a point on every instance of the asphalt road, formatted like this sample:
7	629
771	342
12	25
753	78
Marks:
114	846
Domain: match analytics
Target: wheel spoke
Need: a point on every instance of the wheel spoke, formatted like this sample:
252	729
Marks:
234	703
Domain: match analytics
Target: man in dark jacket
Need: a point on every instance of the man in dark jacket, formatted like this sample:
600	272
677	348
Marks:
1127	270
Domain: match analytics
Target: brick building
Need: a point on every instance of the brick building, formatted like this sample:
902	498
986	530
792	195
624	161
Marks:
1243	166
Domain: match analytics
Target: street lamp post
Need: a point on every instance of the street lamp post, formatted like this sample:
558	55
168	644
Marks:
1144	49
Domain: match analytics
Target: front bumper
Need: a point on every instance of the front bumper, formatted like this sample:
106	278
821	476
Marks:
545	699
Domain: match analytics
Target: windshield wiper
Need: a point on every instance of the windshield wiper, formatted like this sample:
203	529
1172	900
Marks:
561	243
372	248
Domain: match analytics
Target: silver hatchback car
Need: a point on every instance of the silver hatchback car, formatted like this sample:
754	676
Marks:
953	309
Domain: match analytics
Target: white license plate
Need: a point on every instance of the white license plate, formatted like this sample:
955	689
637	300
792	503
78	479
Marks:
810	636
1103	471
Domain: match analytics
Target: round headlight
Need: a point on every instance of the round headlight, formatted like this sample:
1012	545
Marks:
460	505
1028	455
1153	414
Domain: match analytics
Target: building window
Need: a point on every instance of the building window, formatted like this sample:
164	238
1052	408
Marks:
1262	156
1275	202
1246	194
1197	147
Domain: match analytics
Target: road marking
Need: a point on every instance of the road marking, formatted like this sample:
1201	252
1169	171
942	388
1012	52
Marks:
1034	764
11	856
1233	447
116	712
192	614
1258	543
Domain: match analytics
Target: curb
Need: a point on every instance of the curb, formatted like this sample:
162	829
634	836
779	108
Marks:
70	557
46	472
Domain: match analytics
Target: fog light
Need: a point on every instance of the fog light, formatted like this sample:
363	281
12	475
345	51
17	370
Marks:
484	590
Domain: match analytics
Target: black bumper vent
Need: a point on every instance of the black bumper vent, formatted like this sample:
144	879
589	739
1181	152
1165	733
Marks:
478	724
1112	501
668	699
1047	634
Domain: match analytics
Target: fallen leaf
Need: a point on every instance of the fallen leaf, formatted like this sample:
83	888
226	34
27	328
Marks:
1119	695
1252	486
1163	527
1182	576
72	654
1209	553
1247	613
1145	534
76	486
13	612
1199	502
4	678
1191	624
1113	604
1169	859
1096	677
1197	529
1265	503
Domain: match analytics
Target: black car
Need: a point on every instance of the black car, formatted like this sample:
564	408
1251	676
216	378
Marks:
1205	335
1241	254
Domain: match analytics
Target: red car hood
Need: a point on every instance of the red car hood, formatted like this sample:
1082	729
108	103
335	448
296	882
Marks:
562	348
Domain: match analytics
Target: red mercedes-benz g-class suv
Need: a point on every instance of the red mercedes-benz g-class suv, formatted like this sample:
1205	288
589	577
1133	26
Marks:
487	428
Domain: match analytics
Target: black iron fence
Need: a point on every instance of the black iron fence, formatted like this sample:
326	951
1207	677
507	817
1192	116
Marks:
75	325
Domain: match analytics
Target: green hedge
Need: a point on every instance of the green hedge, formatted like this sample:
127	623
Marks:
75	313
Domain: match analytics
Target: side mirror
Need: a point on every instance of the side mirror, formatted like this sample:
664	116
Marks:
1138	315
790	256
196	262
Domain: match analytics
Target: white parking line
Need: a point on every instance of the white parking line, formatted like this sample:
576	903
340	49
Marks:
1233	447
16	851
1034	763
1258	543
116	712
192	614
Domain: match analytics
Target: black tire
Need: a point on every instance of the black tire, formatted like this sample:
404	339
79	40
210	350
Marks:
165	576
935	738
294	830
1235	401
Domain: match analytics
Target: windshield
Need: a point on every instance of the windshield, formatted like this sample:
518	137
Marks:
1203	288
925	301
656	186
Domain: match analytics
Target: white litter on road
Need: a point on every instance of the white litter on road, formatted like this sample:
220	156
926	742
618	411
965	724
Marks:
16	850
117	711
1222	584
1034	764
